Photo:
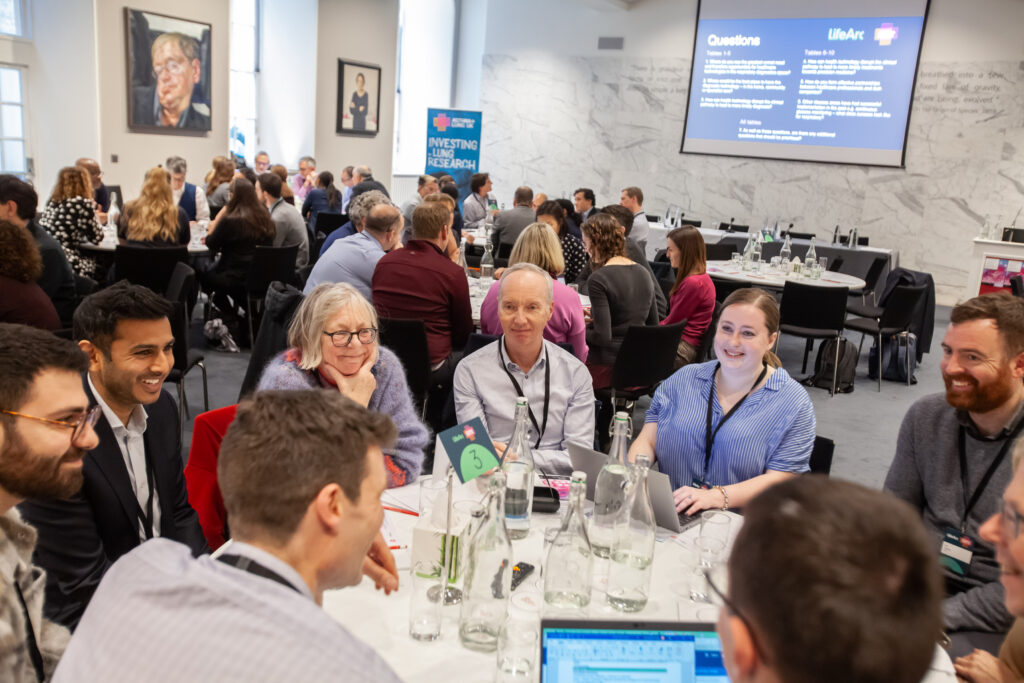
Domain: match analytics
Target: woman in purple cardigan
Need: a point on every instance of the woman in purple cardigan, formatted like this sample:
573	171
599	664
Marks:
538	244
333	340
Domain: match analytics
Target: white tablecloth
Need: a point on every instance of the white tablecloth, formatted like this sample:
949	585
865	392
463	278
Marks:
769	278
382	621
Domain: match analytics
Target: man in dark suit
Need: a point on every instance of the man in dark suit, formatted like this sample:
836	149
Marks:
134	486
172	101
508	224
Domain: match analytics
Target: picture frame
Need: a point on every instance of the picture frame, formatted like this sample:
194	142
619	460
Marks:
350	120
168	63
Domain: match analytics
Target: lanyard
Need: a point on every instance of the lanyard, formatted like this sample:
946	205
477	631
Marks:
969	503
709	435
547	389
145	516
253	567
30	640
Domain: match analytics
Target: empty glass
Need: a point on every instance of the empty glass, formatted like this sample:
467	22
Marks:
517	650
430	489
714	526
424	605
823	263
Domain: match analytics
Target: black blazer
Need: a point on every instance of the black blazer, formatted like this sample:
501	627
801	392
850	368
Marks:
81	537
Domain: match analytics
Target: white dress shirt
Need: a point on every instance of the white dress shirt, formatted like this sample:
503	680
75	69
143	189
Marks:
133	450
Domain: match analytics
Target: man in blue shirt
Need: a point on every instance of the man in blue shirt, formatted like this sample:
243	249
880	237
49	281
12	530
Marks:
358	210
353	260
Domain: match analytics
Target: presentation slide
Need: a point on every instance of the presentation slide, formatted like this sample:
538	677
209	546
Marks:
834	88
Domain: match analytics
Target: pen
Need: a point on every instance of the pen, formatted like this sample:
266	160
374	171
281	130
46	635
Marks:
402	510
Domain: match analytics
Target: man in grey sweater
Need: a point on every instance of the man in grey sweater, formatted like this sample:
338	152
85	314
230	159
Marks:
953	459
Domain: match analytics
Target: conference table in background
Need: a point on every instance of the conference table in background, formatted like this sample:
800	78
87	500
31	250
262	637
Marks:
766	277
107	247
383	621
856	261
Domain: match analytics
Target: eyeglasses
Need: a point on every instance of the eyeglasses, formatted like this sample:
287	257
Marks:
77	425
367	335
172	67
1010	520
731	606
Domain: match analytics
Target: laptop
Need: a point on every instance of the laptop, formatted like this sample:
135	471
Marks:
655	652
658	485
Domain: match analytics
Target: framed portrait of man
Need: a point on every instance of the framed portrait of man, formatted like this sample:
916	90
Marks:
358	98
168	73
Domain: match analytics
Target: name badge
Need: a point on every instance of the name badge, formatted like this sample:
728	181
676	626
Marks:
956	551
700	484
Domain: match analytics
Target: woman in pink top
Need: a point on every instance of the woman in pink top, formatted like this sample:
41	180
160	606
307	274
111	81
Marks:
538	244
692	297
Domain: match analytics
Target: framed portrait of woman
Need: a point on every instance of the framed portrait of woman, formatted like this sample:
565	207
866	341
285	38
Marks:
358	98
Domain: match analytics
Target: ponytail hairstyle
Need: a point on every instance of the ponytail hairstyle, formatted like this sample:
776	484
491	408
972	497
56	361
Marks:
764	302
326	182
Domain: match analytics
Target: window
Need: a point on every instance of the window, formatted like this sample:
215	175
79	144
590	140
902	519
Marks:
12	120
244	63
12	18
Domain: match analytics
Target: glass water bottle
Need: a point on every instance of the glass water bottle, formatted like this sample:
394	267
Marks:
570	561
489	575
610	491
517	464
812	256
629	575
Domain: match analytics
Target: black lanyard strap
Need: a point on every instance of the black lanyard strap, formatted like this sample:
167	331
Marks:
519	390
709	435
970	502
253	567
145	516
30	635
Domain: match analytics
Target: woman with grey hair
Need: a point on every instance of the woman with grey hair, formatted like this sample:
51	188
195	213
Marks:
333	342
358	210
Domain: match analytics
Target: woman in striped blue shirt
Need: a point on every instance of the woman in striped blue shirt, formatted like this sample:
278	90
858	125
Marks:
725	430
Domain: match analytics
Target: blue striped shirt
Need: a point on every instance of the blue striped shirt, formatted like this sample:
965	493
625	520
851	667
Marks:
772	430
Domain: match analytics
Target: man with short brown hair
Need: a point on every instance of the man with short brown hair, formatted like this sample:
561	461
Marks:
302	473
420	282
509	223
633	199
853	562
952	459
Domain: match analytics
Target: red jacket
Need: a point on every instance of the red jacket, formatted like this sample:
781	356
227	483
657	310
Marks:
201	473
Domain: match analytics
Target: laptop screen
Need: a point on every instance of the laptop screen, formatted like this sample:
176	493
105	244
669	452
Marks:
653	653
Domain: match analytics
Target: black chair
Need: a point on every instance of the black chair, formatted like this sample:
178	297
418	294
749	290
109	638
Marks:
837	265
719	251
813	312
1013	235
182	287
150	267
185	358
269	264
329	222
799	235
706	342
651	218
863	308
821	456
477	341
661	256
408	339
895	320
723	287
646	357
1017	285
862	240
733	227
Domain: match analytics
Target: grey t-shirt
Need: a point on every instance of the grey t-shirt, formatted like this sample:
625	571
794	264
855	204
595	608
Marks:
925	472
291	229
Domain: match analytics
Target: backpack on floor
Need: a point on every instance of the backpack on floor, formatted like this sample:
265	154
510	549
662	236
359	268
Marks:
895	350
825	362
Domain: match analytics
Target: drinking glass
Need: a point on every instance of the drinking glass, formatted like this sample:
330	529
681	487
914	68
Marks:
714	524
424	602
710	550
517	650
430	489
823	263
776	263
735	258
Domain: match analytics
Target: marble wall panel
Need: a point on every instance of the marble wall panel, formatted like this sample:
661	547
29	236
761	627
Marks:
609	122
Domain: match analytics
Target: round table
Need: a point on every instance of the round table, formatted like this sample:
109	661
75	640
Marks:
729	270
382	621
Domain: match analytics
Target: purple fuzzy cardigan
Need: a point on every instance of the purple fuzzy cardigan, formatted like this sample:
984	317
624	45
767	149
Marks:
404	461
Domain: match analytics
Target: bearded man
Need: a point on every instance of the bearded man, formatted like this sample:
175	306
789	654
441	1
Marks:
953	460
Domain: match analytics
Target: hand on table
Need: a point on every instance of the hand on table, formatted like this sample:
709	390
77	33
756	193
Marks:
469	238
982	667
690	500
379	565
360	386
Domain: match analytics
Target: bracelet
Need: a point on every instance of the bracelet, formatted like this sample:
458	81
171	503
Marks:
725	495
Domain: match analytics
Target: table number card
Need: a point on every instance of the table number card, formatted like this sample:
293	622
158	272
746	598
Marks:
469	449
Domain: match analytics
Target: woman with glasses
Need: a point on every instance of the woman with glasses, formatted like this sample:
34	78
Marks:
333	346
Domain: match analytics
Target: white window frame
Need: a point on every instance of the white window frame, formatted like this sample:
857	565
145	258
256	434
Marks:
26	173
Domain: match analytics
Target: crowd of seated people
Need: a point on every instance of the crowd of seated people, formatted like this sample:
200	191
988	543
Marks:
333	423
